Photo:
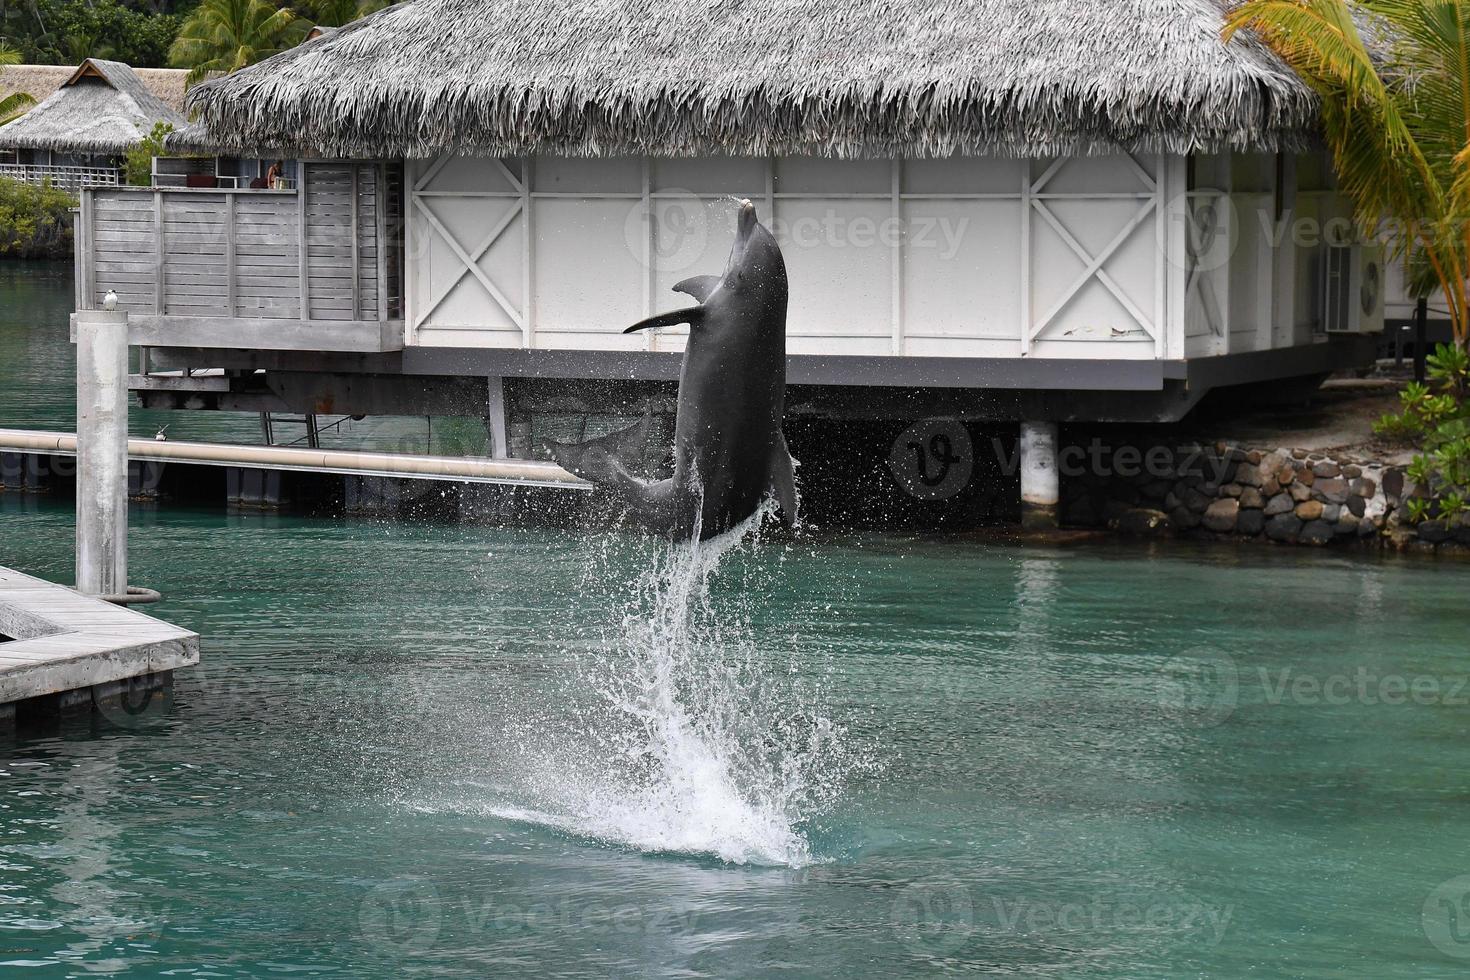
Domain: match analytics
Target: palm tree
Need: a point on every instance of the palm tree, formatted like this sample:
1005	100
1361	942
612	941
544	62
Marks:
12	105
335	13
1396	115
223	36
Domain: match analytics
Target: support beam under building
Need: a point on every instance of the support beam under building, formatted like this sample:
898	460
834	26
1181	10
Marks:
1040	482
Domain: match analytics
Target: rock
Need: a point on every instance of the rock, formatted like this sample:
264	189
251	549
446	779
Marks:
1080	512
1285	475
1363	487
1334	490
1254	457
1195	500
1326	468
1251	499
1155	489
1352	471
1393	483
1331	513
1298	454
1461	529
1346	524
1316	532
1283	527
1250	523
1249	475
1171	500
1299	492
1112	510
1184	518
1367	529
1221	515
1269	487
1433	531
1231	490
1144	522
1357	506
1304	474
1279	504
1309	510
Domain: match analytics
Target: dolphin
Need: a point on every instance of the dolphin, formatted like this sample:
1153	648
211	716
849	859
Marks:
729	450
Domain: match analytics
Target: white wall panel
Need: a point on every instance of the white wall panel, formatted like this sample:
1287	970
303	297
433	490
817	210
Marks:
961	272
587	277
958	257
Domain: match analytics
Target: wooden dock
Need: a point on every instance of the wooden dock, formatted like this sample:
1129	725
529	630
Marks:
76	650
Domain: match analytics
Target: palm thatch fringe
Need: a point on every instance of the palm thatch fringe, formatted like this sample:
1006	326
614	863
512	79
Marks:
103	107
842	78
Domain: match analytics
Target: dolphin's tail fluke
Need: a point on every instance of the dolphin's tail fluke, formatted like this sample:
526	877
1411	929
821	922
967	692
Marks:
612	460
600	460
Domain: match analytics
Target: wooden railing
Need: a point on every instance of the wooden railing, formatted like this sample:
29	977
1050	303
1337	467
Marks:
253	269
66	178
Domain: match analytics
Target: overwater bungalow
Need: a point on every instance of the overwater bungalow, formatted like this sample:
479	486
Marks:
86	118
1029	212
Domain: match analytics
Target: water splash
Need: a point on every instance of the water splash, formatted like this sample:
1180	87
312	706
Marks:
695	739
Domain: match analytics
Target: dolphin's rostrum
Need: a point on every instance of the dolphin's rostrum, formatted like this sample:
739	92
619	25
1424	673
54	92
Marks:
729	450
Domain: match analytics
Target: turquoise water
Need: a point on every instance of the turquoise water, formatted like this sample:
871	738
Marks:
443	751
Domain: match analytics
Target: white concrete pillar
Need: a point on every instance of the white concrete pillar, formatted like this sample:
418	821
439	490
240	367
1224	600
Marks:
102	452
1040	483
496	418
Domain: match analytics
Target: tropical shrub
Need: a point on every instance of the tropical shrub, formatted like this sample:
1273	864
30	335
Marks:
1436	417
35	220
138	161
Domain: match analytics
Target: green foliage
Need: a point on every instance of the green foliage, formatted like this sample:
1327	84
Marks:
138	161
1396	118
35	221
1436	417
64	32
12	105
335	13
223	36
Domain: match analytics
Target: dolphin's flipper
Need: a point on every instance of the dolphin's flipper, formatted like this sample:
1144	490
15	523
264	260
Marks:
690	316
783	480
594	459
698	286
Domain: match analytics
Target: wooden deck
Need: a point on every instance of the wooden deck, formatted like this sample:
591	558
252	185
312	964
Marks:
60	641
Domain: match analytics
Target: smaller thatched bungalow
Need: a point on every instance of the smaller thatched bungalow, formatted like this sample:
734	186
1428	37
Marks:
79	131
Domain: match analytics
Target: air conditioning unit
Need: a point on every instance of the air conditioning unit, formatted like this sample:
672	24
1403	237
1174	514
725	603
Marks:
1352	289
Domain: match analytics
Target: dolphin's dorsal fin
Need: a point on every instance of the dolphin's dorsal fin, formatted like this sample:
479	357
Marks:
691	316
698	286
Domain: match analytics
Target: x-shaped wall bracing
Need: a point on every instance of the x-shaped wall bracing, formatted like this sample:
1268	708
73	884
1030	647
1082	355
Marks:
1205	220
469	259
1093	266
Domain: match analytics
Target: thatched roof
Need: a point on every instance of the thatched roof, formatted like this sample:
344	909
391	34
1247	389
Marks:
103	107
830	77
39	81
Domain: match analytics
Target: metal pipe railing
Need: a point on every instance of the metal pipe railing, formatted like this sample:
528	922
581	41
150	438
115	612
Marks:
517	472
